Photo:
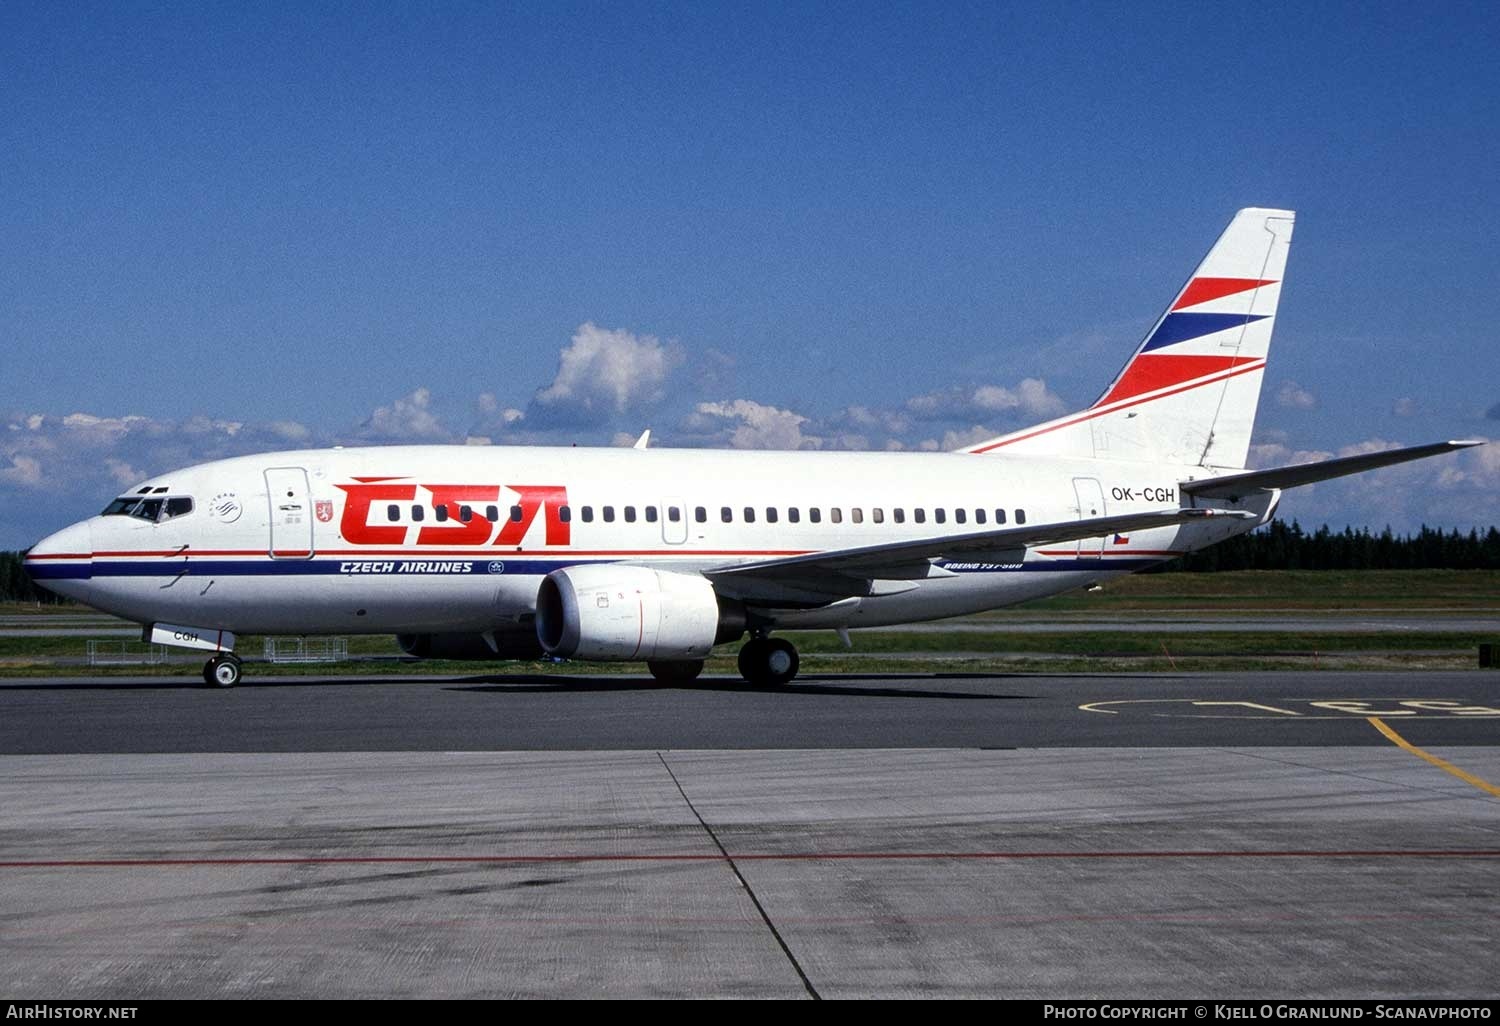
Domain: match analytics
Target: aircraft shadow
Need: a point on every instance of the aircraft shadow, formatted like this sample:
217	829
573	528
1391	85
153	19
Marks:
726	685
875	685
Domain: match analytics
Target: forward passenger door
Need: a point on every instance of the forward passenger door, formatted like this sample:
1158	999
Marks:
291	513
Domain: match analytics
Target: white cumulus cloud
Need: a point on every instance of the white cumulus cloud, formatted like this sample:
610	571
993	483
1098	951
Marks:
23	470
745	424
408	419
1031	398
603	373
1294	396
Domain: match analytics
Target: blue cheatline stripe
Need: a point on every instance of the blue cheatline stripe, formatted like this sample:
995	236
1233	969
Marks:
477	567
58	571
1181	327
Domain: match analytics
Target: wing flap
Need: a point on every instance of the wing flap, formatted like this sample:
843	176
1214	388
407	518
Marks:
856	571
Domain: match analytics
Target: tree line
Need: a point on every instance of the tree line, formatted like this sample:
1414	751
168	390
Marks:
1278	546
15	586
1282	546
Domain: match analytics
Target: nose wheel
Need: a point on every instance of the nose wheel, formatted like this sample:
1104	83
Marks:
768	661
222	671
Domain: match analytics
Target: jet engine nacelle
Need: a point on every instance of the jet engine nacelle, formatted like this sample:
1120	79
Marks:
613	612
511	644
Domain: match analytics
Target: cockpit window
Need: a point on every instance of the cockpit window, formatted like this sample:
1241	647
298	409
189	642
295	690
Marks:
152	509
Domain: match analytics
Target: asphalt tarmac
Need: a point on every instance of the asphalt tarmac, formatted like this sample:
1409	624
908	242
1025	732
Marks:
270	713
1162	836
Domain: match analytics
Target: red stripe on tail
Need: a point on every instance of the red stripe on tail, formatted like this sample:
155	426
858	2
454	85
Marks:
1148	372
1201	290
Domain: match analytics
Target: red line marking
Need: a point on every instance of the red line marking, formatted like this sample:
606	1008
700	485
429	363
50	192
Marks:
972	856
1091	414
1117	552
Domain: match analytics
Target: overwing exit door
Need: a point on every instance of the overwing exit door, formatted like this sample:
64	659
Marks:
674	522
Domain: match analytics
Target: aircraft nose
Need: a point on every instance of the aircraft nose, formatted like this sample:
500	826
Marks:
63	562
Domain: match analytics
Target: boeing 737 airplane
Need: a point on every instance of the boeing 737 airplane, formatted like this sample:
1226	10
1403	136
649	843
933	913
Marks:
658	555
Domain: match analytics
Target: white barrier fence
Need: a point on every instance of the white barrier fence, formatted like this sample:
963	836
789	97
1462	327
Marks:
306	650
107	652
126	653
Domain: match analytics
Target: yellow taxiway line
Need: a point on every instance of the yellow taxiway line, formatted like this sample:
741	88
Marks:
1441	764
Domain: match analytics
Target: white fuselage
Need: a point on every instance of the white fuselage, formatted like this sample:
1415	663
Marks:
457	539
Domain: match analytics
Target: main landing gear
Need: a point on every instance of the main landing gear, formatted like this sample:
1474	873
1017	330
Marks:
768	661
222	671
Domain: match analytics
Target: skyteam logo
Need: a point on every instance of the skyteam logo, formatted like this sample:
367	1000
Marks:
225	507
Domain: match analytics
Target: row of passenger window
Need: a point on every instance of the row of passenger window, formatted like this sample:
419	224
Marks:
856	515
465	513
748	515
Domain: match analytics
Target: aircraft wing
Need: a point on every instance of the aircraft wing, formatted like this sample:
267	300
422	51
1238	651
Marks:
1233	486
845	572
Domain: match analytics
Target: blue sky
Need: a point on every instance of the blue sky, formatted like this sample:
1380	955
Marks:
842	225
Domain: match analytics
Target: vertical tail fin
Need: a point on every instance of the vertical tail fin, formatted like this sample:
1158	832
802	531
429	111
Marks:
1189	393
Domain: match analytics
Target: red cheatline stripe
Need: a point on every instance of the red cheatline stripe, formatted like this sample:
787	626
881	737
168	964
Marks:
1201	290
846	856
1118	552
1099	411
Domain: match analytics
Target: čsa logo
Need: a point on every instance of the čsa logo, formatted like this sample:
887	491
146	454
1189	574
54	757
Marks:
452	529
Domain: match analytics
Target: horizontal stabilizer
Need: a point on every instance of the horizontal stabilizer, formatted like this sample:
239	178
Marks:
1235	485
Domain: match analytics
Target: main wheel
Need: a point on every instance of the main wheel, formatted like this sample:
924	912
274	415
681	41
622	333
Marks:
750	658
222	671
768	661
678	671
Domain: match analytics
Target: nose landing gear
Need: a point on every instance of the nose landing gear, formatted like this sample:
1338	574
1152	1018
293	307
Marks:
222	671
768	661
